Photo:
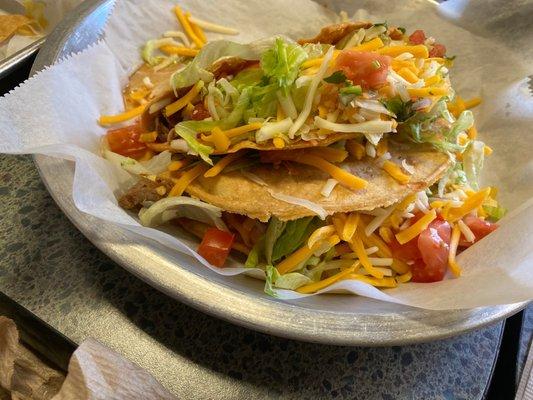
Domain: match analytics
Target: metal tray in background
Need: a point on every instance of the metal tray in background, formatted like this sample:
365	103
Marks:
10	63
342	320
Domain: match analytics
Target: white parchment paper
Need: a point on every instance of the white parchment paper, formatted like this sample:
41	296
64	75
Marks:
55	113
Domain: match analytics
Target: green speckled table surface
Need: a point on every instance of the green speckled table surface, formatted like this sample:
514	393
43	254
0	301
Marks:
49	268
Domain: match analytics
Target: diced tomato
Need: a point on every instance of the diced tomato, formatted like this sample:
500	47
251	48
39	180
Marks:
216	246
200	112
363	68
438	50
480	228
125	141
434	246
417	37
405	252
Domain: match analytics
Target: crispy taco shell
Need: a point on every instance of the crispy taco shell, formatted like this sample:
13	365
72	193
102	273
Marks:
234	192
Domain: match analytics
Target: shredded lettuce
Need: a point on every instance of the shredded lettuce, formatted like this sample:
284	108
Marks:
198	68
495	213
281	63
154	166
254	256
271	275
434	128
170	208
473	158
274	230
188	130
295	234
290	281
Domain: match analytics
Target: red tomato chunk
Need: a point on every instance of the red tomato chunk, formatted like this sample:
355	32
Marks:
364	68
125	141
434	246
480	228
417	37
438	50
216	246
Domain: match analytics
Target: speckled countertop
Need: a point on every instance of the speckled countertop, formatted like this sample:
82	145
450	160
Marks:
47	266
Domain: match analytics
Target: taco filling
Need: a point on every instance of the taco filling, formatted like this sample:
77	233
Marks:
344	156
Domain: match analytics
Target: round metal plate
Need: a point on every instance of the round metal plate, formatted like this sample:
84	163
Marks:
342	320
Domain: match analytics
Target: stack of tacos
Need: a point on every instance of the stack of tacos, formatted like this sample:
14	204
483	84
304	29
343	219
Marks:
343	156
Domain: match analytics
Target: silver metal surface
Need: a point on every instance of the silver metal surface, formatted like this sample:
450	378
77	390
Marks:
9	63
343	320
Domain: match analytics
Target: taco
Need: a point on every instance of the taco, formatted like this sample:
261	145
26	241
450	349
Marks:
343	156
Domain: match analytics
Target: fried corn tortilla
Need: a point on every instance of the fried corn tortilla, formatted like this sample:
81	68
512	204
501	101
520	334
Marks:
235	192
9	24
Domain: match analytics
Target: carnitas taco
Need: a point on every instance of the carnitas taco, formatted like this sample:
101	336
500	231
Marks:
345	156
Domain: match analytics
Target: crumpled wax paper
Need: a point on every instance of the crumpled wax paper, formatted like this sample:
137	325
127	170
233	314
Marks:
53	12
492	42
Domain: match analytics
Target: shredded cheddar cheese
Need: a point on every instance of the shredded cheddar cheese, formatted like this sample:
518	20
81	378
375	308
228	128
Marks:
314	287
395	171
414	230
357	246
355	149
179	51
427	91
186	179
473	202
241	130
386	282
185	24
406	277
219	166
386	234
344	177
472	102
330	154
174	107
350	226
408	75
177	165
371	45
454	242
279	143
198	31
125	116
219	138
419	51
302	254
148	137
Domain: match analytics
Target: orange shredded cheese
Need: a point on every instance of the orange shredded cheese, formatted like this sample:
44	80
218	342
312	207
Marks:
408	75
414	230
149	137
419	51
396	172
174	107
314	287
198	31
219	166
177	165
187	27
350	226
433	80
472	133
302	254
342	176
125	116
399	266
386	234
279	143
473	202
357	246
179	51
404	277
330	154
240	130
186	179
386	282
219	138
454	242
476	101
427	91
371	45
355	149
487	150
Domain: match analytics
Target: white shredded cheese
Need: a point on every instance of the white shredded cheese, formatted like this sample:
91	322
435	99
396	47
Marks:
380	262
179	35
328	187
370	150
378	220
408	167
148	83
311	93
466	231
